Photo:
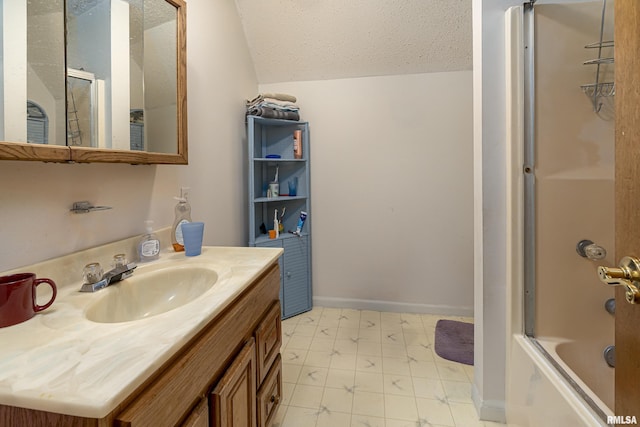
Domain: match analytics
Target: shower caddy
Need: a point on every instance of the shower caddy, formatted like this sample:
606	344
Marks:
600	89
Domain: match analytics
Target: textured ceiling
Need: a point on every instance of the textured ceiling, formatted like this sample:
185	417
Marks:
298	40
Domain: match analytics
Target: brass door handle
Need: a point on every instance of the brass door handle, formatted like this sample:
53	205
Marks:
627	274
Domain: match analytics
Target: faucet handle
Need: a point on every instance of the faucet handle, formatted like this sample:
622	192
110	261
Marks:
93	270
119	260
92	273
588	249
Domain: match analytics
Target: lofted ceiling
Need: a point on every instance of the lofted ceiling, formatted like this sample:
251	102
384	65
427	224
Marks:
299	40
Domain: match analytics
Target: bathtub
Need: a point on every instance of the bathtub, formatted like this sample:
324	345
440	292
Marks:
591	373
538	396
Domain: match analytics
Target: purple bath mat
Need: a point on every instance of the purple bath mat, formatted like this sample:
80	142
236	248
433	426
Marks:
454	341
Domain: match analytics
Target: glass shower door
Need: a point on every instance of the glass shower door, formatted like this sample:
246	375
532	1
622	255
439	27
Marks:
570	192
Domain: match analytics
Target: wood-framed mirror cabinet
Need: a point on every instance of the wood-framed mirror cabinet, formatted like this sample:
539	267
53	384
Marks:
102	146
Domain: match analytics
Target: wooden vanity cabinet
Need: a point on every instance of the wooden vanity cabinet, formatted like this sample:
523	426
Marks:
268	337
222	360
233	401
222	363
258	367
270	394
199	416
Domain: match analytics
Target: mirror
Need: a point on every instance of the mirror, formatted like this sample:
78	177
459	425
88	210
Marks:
32	78
124	99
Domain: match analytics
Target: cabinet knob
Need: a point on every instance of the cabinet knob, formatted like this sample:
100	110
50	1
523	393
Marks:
288	274
275	399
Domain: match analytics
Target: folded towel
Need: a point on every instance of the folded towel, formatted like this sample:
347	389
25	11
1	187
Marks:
292	107
275	96
280	96
271	113
278	105
278	102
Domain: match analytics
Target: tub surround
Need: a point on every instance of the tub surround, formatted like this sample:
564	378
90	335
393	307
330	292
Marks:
539	397
60	362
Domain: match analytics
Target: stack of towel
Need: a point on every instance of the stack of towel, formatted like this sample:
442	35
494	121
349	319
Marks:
274	106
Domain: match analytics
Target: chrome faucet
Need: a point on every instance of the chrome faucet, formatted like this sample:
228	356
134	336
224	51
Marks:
95	280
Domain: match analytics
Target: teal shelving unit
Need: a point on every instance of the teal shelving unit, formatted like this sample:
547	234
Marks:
273	137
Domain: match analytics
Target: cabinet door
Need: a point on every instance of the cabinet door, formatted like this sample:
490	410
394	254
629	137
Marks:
233	401
268	339
199	416
270	394
276	244
296	284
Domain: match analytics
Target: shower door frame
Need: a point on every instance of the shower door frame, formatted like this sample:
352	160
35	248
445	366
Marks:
627	197
529	211
529	250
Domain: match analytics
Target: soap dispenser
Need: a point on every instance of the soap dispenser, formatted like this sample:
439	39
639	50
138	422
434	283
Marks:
149	246
182	215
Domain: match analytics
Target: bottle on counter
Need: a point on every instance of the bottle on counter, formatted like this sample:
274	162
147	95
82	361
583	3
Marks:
182	215
149	245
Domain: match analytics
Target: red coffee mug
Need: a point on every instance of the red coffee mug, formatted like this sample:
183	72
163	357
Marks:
18	298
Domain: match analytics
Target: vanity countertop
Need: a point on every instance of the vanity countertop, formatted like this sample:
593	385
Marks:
59	361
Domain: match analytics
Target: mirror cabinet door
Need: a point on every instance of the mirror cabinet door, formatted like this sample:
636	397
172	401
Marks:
122	96
128	96
32	79
160	77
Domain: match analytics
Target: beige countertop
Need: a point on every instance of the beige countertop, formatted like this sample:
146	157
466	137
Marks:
59	361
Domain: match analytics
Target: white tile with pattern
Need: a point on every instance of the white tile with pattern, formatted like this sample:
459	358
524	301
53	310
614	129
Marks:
360	368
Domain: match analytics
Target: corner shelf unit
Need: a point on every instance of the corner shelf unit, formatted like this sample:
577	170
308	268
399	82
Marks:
274	137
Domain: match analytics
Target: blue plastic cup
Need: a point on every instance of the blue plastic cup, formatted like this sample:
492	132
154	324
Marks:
293	186
192	233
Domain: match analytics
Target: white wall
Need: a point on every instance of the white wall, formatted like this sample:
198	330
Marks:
35	222
490	202
391	182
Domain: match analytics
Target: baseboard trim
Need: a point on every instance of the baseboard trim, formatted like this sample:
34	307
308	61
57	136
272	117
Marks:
488	410
398	307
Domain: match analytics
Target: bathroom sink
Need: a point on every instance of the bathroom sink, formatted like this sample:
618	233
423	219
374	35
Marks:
151	293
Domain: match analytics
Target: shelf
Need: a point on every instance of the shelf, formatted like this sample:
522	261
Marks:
262	159
278	199
286	235
598	45
599	89
275	137
603	89
598	61
276	122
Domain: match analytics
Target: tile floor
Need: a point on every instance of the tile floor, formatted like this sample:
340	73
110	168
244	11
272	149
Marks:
357	368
